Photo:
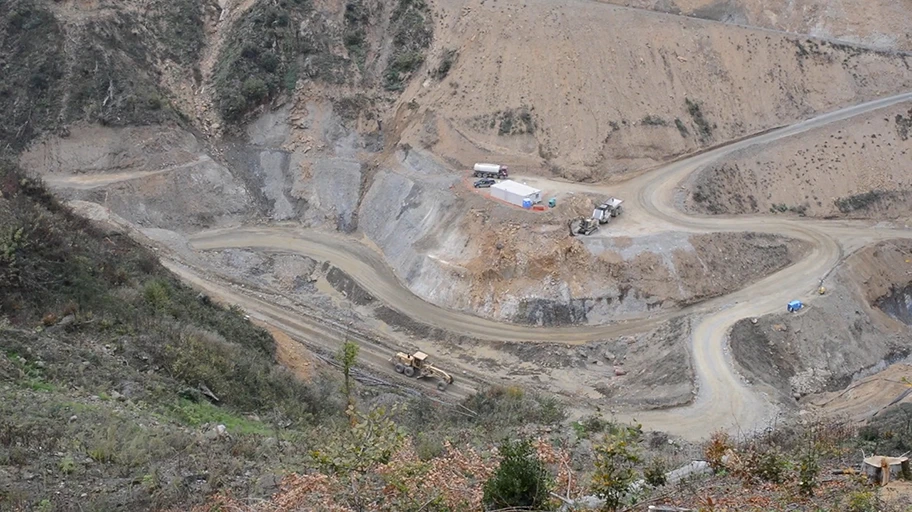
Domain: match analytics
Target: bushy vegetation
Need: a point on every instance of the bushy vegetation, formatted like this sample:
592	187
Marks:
861	201
411	29
260	56
651	120
681	128
704	129
903	125
357	19
446	63
100	340
617	457
512	121
521	479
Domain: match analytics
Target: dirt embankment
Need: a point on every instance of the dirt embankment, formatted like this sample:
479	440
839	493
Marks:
154	177
856	168
593	90
847	331
880	23
517	273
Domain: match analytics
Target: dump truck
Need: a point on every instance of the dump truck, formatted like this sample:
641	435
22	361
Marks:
582	226
605	211
416	365
494	171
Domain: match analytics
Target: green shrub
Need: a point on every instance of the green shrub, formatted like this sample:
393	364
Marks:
521	479
446	63
256	60
411	27
157	294
863	501
654	474
651	120
696	113
254	89
616	458
808	470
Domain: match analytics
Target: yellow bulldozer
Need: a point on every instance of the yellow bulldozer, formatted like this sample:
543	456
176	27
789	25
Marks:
416	365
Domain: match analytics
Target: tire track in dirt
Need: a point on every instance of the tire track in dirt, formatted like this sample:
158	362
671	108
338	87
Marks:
321	335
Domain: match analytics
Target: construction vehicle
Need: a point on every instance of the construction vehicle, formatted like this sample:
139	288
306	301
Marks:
605	211
493	171
416	365
794	306
582	226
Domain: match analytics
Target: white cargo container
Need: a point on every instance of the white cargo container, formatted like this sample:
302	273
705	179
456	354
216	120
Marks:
515	193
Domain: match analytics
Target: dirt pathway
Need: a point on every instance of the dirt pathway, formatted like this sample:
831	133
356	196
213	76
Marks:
91	181
319	333
724	400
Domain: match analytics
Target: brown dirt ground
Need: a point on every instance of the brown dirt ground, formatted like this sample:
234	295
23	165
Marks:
864	398
290	353
855	168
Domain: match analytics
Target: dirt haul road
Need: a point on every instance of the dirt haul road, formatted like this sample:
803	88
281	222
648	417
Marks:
723	400
319	333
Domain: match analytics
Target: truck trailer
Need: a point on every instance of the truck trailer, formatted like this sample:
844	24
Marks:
494	171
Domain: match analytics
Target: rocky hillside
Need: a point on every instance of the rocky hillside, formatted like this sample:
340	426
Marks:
856	169
881	24
590	90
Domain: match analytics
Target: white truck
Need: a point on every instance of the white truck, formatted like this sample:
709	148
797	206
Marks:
610	208
494	171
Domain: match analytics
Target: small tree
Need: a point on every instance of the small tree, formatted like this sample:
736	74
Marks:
615	462
348	354
372	439
521	479
808	464
654	474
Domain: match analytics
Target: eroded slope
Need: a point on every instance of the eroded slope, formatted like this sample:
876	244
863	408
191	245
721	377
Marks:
845	332
856	168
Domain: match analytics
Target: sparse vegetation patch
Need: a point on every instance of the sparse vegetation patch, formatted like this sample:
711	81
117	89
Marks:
681	128
704	129
651	120
101	70
903	125
862	201
446	63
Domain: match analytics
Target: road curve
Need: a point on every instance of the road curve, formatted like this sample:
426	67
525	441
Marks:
723	400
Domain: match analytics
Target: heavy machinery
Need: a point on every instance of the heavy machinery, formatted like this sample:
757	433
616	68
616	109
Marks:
493	171
416	365
582	226
605	211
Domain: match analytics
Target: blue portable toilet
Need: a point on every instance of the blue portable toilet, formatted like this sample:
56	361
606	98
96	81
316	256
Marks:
527	203
552	202
795	305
